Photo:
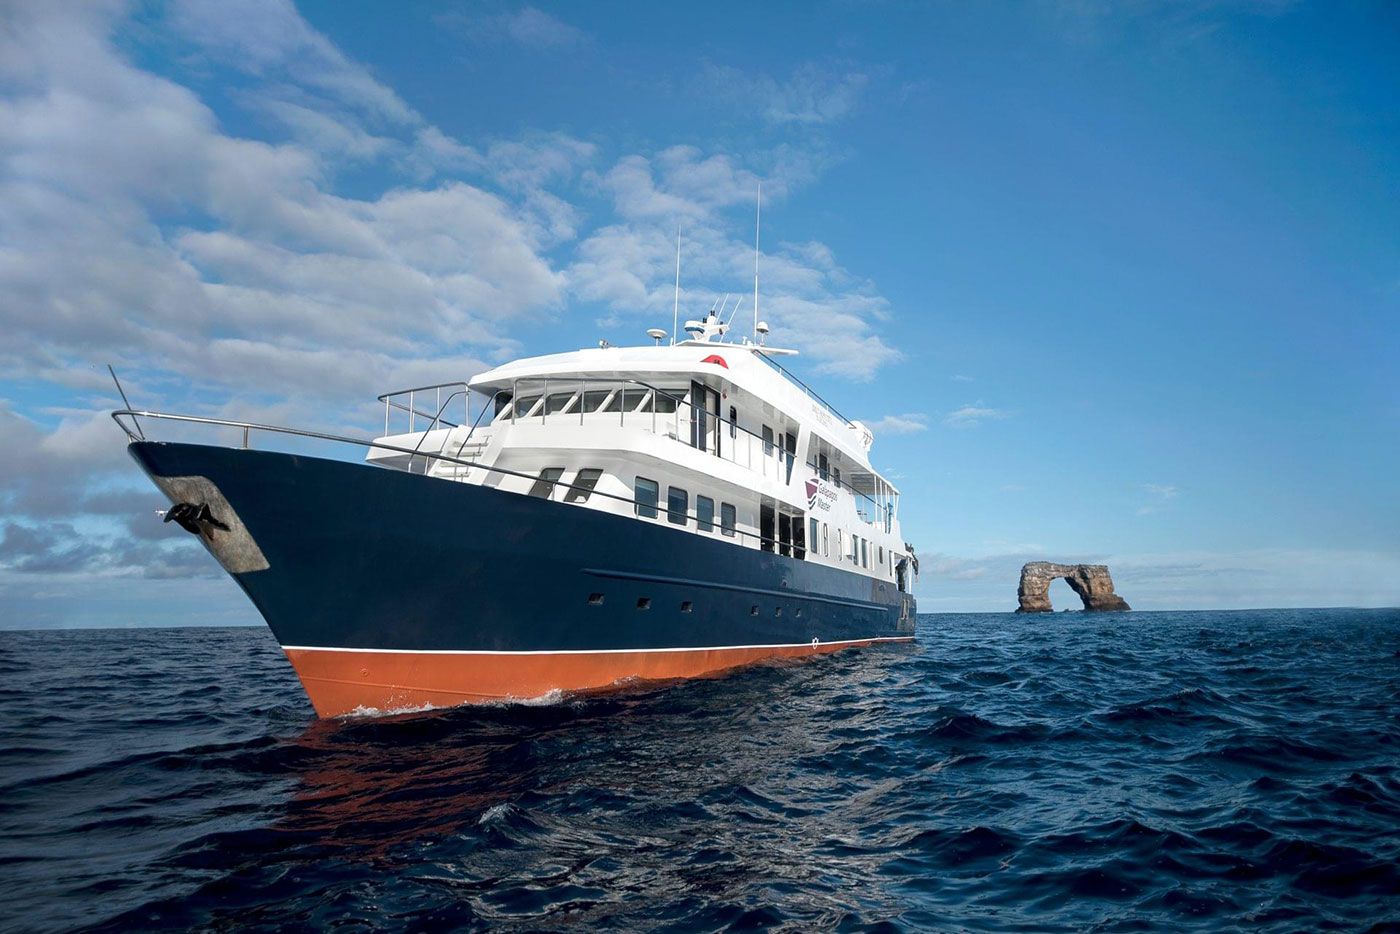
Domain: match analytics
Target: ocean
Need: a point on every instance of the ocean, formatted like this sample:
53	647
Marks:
1203	771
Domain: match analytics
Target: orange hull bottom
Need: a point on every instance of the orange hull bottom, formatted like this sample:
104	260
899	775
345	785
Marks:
341	681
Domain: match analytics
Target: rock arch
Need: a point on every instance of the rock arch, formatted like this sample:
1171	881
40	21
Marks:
1091	581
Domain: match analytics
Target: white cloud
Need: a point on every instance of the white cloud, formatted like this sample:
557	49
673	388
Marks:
969	416
812	94
958	378
98	154
906	424
270	39
1160	493
527	26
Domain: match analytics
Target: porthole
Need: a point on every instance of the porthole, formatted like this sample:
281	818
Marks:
644	603
777	611
686	606
595	599
798	613
753	611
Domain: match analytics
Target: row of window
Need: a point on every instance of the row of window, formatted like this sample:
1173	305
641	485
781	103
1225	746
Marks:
647	494
574	402
854	547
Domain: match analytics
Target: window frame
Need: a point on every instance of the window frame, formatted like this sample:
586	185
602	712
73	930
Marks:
728	520
641	508
575	495
543	488
704	518
684	512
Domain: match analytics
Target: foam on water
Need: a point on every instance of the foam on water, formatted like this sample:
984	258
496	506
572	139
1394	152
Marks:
1147	771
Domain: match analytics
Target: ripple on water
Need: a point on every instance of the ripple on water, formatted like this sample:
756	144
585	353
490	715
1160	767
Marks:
1159	771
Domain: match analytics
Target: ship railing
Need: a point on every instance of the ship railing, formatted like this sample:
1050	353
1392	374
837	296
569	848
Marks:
395	402
807	390
748	535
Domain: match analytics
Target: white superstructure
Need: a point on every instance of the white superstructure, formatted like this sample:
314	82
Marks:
710	436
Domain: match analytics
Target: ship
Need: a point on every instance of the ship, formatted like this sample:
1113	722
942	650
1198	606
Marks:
561	523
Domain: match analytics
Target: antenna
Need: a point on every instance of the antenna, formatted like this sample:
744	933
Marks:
736	309
757	220
676	308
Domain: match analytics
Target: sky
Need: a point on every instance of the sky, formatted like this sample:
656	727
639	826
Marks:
1111	282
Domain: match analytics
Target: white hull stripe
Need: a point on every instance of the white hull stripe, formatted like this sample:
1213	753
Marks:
696	648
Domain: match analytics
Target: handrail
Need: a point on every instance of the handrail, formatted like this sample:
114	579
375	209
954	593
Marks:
322	436
387	399
801	385
436	418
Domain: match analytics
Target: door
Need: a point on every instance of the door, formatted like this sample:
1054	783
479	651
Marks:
766	527
704	417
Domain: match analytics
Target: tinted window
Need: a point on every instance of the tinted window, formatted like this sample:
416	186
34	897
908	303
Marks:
626	400
704	514
593	399
583	486
524	404
666	401
733	422
726	519
864	553
812	533
767	440
556	402
677	505
544	486
645	493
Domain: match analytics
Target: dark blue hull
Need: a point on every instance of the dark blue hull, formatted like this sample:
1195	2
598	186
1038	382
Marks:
365	558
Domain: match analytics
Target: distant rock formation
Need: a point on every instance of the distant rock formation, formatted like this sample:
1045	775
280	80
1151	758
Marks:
1091	581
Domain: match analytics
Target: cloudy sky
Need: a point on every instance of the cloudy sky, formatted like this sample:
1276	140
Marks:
1111	282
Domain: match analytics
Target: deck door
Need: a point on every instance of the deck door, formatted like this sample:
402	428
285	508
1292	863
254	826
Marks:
704	417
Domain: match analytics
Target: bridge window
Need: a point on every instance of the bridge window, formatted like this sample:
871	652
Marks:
583	485
677	505
726	519
646	493
593	399
767	440
544	486
666	401
626	400
524	404
704	514
557	402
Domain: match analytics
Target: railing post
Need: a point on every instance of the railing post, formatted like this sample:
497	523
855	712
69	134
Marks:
582	389
410	415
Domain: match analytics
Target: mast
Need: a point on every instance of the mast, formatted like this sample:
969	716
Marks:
676	308
757	220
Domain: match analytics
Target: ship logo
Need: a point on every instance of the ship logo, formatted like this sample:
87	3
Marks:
716	359
820	496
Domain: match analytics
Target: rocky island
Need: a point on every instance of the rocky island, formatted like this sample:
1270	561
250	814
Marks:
1091	581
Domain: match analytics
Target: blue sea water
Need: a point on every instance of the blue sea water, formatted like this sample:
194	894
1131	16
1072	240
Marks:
1223	771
